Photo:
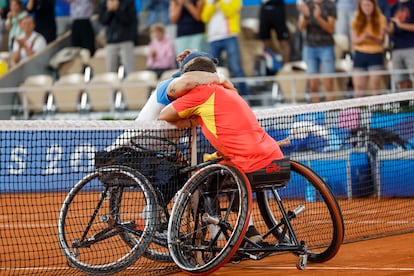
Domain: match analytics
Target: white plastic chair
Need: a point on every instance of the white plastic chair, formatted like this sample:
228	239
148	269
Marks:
67	92
34	93
137	87
101	90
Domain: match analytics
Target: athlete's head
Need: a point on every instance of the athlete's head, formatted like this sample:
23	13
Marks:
197	61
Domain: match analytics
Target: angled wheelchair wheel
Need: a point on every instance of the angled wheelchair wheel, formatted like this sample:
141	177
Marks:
210	219
315	214
157	249
100	217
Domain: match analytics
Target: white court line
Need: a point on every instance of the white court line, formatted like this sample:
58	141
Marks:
54	268
52	225
232	267
324	268
28	225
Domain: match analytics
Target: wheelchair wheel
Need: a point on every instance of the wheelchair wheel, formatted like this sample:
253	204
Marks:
98	221
210	219
319	221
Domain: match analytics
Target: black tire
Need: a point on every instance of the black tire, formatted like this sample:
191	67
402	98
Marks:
320	225
195	243
98	218
157	250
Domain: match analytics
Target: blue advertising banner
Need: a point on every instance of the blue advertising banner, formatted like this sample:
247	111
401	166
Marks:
34	161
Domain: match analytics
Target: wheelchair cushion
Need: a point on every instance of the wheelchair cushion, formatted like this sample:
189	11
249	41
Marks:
276	173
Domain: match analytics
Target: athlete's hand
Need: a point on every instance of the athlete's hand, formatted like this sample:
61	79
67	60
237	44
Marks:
183	54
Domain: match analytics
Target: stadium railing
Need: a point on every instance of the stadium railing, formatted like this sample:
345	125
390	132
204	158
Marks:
268	91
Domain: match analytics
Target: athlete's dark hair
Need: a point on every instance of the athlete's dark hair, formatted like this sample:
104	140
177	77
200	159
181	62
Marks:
201	64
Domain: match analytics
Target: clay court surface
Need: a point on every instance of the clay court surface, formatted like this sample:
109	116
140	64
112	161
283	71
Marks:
29	242
384	256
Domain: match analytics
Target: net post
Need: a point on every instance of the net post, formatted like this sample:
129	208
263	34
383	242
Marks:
193	146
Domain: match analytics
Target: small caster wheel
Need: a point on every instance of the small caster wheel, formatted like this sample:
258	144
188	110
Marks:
302	262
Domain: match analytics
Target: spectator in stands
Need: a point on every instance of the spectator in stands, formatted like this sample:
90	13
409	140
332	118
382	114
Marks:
157	12
161	56
44	16
14	16
385	8
28	43
121	22
272	16
3	9
345	14
222	18
401	30
318	18
83	34
368	31
3	16
186	14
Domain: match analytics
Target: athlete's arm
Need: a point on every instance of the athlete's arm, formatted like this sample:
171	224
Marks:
170	115
189	80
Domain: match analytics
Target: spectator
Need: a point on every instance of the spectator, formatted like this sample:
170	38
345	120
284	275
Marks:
44	16
157	12
83	34
3	8
3	11
368	30
222	18
401	29
121	22
345	13
29	42
272	15
186	14
385	8
14	16
161	55
318	17
3	14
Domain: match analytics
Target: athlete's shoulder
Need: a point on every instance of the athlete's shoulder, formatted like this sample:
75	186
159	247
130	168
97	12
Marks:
161	91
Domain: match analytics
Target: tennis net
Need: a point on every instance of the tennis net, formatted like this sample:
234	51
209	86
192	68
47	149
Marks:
363	148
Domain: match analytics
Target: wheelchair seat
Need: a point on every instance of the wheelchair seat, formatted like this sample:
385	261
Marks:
276	174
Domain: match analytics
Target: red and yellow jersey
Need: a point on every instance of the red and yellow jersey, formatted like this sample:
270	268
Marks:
230	125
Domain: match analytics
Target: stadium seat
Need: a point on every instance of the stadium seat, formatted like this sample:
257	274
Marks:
141	53
98	62
343	65
70	60
250	46
137	87
293	81
36	89
167	74
342	45
224	71
101	90
67	91
251	23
